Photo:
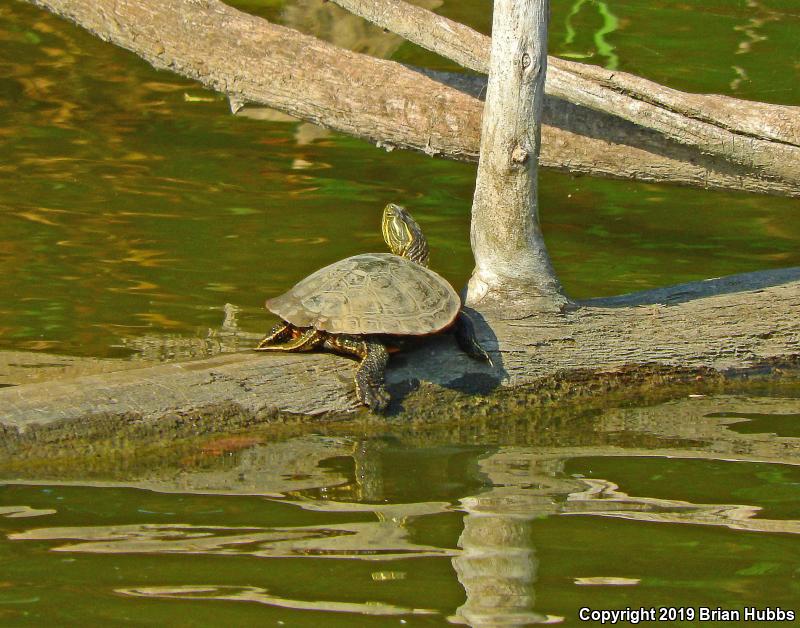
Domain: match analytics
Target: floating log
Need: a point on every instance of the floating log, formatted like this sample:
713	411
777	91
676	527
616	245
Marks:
712	328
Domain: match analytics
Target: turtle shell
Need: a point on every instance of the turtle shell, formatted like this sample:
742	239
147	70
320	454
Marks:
372	293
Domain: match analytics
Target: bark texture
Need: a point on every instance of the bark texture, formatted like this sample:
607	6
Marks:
730	325
511	260
251	60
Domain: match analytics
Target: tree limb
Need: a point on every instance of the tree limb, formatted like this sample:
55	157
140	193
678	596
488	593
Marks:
763	137
511	260
252	60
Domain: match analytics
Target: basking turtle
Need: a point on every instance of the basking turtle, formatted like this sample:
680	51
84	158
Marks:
365	305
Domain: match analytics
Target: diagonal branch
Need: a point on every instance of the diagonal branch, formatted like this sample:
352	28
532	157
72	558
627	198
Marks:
763	137
252	60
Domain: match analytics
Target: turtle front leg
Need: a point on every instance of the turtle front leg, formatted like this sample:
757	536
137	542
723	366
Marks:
467	339
370	374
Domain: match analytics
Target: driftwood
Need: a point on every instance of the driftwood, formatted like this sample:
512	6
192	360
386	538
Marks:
252	60
738	324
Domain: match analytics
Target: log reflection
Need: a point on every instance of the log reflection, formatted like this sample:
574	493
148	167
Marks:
377	498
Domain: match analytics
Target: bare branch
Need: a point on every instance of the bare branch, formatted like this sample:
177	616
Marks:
511	260
384	102
763	137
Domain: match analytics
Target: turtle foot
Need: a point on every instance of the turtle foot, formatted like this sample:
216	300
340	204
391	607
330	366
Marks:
370	376
468	340
278	334
375	397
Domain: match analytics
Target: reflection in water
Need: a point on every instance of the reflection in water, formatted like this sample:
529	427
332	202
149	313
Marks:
19	512
604	49
604	499
607	581
497	567
381	540
759	15
763	15
262	596
495	561
340	27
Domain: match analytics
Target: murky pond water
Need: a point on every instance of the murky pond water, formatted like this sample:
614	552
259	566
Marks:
133	204
682	506
133	207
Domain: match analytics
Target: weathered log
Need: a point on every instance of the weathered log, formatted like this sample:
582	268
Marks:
252	60
756	135
731	325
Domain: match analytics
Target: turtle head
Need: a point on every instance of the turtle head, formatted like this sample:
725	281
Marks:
403	235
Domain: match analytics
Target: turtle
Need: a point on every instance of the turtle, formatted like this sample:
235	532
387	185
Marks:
367	305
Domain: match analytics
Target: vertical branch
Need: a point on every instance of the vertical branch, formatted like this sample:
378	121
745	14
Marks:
511	262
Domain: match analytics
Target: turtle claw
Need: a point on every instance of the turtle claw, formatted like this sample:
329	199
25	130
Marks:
375	397
468	340
278	334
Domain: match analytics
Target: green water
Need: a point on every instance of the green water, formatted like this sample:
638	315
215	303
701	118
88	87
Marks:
134	206
670	506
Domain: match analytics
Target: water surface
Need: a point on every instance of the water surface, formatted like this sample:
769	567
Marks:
670	505
134	207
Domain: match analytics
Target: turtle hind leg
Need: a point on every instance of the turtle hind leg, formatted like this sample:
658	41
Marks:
370	374
286	337
467	339
277	335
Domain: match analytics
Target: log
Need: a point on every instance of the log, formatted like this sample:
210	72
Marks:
711	328
251	60
756	135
